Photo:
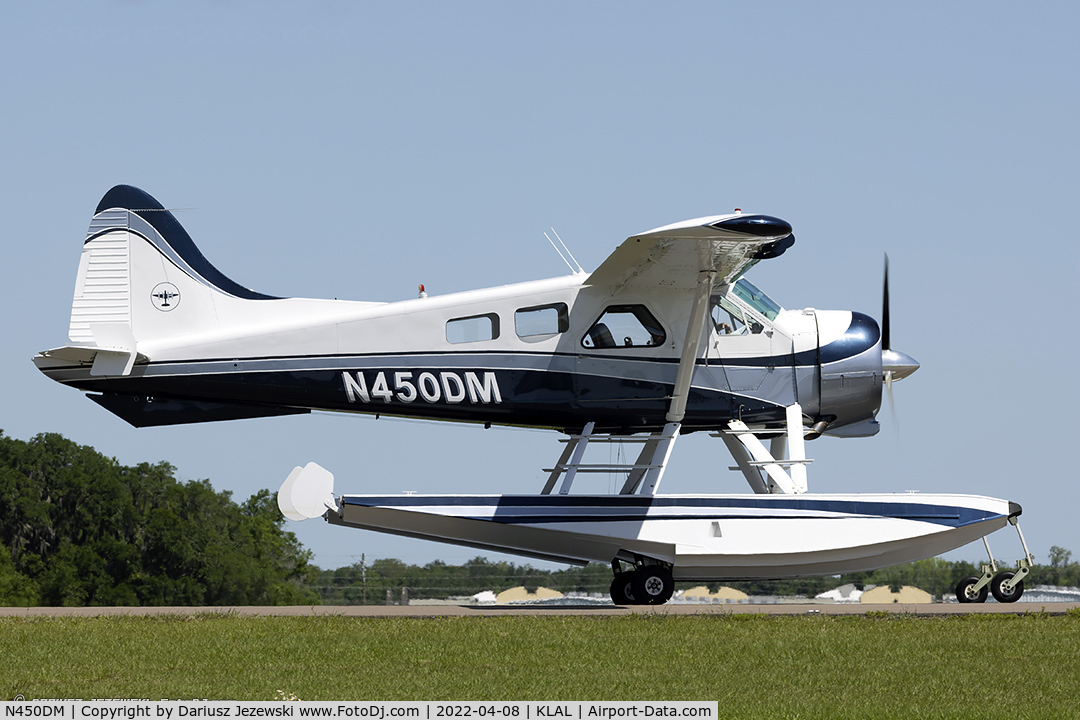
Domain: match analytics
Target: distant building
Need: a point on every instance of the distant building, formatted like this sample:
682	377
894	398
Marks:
701	594
844	594
485	597
520	595
1051	593
908	595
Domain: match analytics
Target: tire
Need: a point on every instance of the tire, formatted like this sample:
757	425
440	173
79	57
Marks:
621	590
963	595
1000	594
653	585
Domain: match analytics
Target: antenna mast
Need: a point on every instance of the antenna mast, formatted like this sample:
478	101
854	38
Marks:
573	269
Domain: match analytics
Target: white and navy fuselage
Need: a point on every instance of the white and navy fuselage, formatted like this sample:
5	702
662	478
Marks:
159	336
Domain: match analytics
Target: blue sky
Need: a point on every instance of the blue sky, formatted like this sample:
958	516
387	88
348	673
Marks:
354	150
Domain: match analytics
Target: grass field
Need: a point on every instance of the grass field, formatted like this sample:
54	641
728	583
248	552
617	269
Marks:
756	666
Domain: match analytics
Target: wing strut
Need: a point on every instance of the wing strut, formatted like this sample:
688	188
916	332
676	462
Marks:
698	312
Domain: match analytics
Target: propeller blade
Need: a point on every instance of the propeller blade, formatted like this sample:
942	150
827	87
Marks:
891	401
886	343
894	365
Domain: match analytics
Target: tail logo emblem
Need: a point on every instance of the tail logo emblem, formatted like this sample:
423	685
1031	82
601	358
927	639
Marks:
165	296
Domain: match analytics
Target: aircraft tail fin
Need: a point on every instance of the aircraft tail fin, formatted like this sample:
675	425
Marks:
141	278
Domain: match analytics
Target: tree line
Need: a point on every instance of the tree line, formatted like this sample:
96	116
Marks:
78	528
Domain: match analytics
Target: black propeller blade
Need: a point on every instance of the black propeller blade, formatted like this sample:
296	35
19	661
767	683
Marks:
886	343
895	365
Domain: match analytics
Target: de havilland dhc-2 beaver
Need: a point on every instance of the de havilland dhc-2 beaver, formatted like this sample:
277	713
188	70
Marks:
664	338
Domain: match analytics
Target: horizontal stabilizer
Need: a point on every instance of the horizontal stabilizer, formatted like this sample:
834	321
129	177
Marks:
103	361
154	412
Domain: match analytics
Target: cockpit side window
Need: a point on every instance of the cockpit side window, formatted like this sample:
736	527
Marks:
741	309
727	318
625	326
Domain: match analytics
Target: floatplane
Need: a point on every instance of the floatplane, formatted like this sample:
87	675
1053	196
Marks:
666	337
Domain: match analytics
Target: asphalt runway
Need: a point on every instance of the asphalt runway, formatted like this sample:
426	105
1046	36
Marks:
426	611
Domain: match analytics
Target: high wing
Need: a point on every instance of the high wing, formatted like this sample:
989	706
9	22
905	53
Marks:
672	256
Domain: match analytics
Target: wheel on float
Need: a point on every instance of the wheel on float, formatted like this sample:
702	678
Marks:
622	592
1001	594
653	585
965	592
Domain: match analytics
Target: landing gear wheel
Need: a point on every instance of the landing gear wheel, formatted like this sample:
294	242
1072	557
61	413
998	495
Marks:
653	585
966	594
1001	594
621	591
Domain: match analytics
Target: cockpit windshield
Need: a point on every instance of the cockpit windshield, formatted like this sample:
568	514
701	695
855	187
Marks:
748	293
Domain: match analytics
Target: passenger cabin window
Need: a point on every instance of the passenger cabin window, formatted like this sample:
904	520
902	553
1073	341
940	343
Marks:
541	320
625	326
472	329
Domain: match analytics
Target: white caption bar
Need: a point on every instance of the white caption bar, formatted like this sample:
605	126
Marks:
62	709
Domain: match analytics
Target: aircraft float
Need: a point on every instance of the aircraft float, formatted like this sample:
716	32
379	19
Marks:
664	338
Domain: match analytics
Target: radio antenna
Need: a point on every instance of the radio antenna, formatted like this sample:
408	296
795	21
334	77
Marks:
560	252
574	270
